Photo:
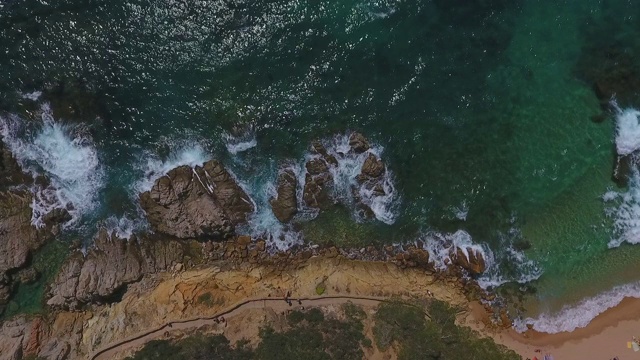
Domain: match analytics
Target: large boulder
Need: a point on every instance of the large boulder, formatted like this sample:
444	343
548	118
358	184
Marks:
108	267
203	202
285	205
470	259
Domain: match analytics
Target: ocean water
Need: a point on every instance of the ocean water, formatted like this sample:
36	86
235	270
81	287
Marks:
482	112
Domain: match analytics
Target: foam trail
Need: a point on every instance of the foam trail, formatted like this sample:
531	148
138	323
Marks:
441	246
66	155
580	315
625	212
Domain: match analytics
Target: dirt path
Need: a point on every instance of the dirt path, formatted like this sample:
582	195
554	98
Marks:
277	304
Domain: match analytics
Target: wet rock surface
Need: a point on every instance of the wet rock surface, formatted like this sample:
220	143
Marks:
285	205
204	202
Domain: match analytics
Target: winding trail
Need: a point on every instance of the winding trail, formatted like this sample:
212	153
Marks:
279	304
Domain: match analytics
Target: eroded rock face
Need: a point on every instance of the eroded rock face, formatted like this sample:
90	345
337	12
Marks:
109	266
474	263
285	205
204	202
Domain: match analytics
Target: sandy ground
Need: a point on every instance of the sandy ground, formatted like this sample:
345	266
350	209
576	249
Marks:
603	339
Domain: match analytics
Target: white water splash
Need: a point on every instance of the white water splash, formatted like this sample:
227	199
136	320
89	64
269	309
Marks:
66	155
241	142
262	223
385	206
441	246
124	227
627	131
154	167
581	314
33	96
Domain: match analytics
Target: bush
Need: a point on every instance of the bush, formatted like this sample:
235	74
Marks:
439	338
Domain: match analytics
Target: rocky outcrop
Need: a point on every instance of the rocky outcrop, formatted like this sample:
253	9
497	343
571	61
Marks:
108	267
203	202
358	143
285	205
469	259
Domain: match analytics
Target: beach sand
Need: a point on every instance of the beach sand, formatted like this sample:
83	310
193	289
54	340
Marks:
604	338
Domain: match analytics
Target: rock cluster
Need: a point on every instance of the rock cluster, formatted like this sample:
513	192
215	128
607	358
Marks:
109	266
469	259
202	202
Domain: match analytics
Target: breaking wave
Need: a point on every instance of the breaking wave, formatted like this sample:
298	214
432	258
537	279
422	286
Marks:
580	315
65	154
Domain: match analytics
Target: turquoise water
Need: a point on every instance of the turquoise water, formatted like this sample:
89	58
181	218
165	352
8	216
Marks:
479	106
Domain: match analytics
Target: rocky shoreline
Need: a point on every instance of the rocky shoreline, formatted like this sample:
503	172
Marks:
193	213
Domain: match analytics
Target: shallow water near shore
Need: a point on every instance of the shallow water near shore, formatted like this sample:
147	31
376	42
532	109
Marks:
478	110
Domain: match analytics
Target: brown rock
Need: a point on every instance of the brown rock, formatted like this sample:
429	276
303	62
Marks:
10	172
244	240
204	202
285	206
260	245
475	263
318	181
372	167
358	143
108	267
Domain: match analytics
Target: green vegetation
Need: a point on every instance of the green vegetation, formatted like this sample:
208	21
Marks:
440	338
320	288
197	347
411	331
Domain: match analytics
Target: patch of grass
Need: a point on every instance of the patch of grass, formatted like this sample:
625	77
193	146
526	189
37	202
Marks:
206	299
320	288
194	348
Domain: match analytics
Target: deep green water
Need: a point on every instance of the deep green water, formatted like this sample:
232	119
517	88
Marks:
475	103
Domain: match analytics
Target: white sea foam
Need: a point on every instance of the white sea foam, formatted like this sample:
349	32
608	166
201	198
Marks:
442	245
627	131
155	167
625	212
263	223
581	314
242	141
123	227
66	155
384	207
33	96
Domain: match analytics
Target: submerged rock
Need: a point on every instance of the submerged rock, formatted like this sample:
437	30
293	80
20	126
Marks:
285	205
108	267
204	202
10	172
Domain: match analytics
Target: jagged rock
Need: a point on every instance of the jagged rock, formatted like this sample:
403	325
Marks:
474	263
109	266
372	167
204	202
358	143
285	206
318	180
